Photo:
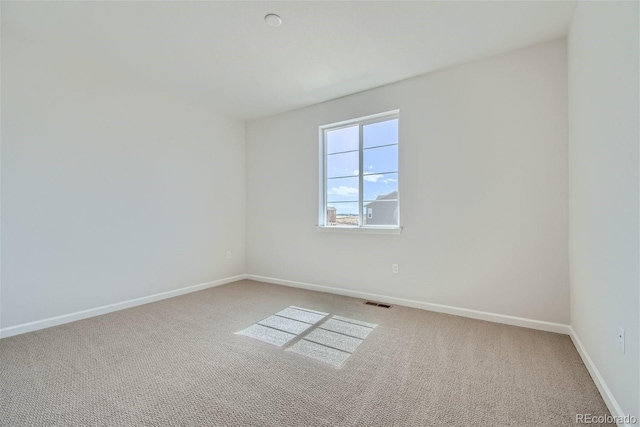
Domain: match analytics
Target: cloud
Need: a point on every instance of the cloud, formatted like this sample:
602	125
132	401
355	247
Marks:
373	178
343	190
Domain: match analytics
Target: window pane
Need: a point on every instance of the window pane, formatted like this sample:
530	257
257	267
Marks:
345	139
360	163
380	185
342	214
380	160
380	212
380	133
342	190
344	164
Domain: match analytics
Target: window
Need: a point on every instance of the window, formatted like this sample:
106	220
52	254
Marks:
359	173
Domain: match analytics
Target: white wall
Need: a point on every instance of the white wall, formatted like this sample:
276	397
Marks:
483	184
603	190
109	191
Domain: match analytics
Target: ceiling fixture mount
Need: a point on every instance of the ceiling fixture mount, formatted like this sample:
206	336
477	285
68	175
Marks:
273	20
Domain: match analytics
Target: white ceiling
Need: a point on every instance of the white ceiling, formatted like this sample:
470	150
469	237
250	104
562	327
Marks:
222	56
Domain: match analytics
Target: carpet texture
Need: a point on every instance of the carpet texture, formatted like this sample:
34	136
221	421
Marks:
178	362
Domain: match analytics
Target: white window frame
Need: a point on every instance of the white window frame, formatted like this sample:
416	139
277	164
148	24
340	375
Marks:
322	200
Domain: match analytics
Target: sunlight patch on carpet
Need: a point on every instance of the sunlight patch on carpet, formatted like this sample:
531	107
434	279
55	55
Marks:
268	335
345	328
283	326
302	315
333	341
287	325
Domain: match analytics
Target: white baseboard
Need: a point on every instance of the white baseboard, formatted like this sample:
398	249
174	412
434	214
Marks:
464	312
606	394
79	315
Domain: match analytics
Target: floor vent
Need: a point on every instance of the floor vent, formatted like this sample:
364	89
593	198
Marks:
378	304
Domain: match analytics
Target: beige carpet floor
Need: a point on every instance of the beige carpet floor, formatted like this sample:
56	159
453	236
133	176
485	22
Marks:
178	362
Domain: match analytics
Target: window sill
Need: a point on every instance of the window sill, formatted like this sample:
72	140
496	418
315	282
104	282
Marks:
359	230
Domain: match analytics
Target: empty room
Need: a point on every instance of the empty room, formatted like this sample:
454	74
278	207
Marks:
331	213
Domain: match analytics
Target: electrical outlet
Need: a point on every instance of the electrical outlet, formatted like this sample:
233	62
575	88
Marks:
228	254
394	268
621	339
